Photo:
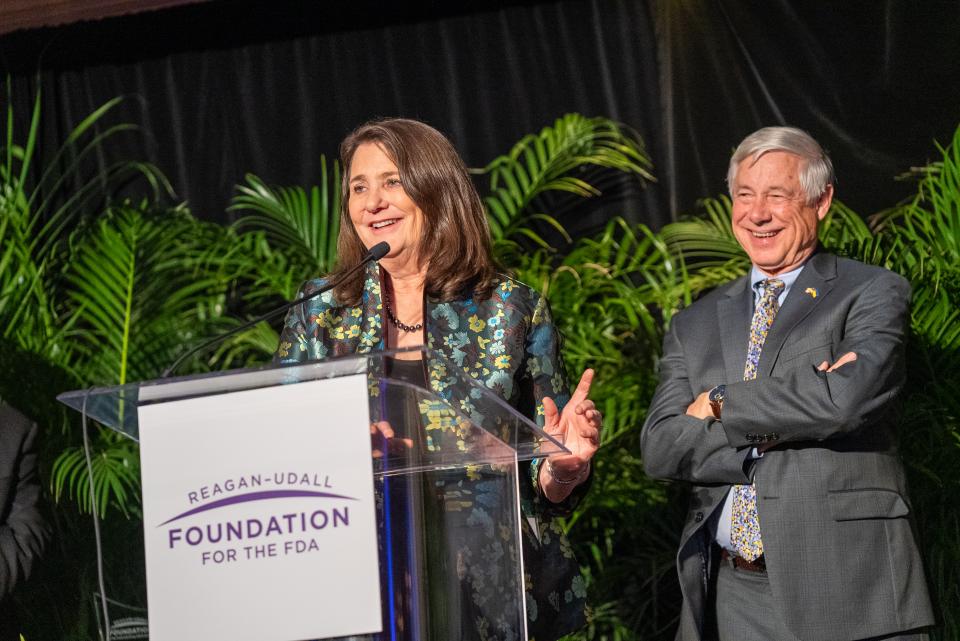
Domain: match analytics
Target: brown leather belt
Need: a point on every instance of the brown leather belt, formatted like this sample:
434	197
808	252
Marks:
758	565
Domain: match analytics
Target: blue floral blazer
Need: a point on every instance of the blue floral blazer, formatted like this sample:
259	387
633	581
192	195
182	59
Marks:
508	342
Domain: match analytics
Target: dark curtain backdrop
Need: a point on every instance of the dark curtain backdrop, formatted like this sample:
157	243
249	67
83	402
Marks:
875	81
225	88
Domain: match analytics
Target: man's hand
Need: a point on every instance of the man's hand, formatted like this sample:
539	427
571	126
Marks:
578	428
840	362
700	407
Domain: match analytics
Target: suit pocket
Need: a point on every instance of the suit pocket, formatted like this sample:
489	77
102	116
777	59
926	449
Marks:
852	505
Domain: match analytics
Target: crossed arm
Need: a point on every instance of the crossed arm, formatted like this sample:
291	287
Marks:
702	408
682	440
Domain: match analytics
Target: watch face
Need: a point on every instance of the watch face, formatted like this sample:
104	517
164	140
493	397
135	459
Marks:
717	393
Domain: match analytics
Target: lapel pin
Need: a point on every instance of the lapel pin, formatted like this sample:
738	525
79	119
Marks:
812	291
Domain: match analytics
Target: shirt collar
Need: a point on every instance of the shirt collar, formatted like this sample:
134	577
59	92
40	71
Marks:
788	278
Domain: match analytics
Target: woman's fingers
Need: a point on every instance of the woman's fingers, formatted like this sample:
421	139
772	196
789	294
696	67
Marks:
398	446
590	433
383	440
551	417
583	407
590	412
583	387
382	428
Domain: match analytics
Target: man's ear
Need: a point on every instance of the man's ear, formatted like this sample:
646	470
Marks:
823	206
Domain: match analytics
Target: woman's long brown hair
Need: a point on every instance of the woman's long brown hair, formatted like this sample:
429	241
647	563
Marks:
456	239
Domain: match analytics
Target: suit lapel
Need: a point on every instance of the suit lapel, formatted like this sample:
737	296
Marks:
811	287
733	314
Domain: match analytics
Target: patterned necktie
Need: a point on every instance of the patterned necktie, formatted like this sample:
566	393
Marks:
745	523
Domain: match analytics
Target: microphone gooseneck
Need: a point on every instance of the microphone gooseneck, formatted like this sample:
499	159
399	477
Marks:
376	252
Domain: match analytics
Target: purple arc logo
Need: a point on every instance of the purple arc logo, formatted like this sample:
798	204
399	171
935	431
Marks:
256	496
237	530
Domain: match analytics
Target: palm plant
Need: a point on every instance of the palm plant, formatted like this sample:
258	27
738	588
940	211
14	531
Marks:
131	290
571	159
924	236
138	291
285	236
303	226
48	199
46	204
612	296
39	204
925	233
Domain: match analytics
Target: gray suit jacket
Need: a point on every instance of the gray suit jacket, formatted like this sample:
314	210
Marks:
22	528
831	496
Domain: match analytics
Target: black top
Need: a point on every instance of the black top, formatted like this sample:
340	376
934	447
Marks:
412	372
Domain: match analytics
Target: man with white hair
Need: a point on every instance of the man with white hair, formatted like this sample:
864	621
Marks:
777	403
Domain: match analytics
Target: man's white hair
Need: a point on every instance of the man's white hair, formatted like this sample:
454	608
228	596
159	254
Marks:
816	172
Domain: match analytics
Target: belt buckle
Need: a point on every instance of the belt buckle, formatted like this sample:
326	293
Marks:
757	565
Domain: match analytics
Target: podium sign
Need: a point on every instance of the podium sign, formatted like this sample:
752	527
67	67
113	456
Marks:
259	514
272	514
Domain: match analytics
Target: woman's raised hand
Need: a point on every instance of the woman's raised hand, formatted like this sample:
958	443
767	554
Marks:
578	428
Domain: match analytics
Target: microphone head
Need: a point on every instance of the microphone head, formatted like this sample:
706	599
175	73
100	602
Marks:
379	250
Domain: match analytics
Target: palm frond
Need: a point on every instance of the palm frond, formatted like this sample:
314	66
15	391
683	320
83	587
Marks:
935	316
137	295
252	347
926	229
297	223
843	227
116	475
139	292
40	201
556	161
707	240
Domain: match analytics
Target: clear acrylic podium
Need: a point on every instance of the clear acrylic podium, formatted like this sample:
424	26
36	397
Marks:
446	486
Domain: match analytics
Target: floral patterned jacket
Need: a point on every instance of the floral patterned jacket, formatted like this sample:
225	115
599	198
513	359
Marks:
509	343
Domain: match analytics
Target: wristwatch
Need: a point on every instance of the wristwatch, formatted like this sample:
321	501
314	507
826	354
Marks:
716	396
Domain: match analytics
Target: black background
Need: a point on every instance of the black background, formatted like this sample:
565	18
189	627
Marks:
228	87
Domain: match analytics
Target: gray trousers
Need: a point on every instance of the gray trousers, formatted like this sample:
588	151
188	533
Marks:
745	610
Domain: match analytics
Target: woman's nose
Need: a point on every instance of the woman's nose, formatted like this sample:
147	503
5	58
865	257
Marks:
373	200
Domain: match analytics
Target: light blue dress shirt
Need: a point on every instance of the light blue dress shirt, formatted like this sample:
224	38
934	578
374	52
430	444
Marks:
756	278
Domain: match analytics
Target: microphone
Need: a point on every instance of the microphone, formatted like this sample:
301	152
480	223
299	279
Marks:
376	252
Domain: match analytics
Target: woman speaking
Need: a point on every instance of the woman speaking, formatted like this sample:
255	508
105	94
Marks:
438	287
